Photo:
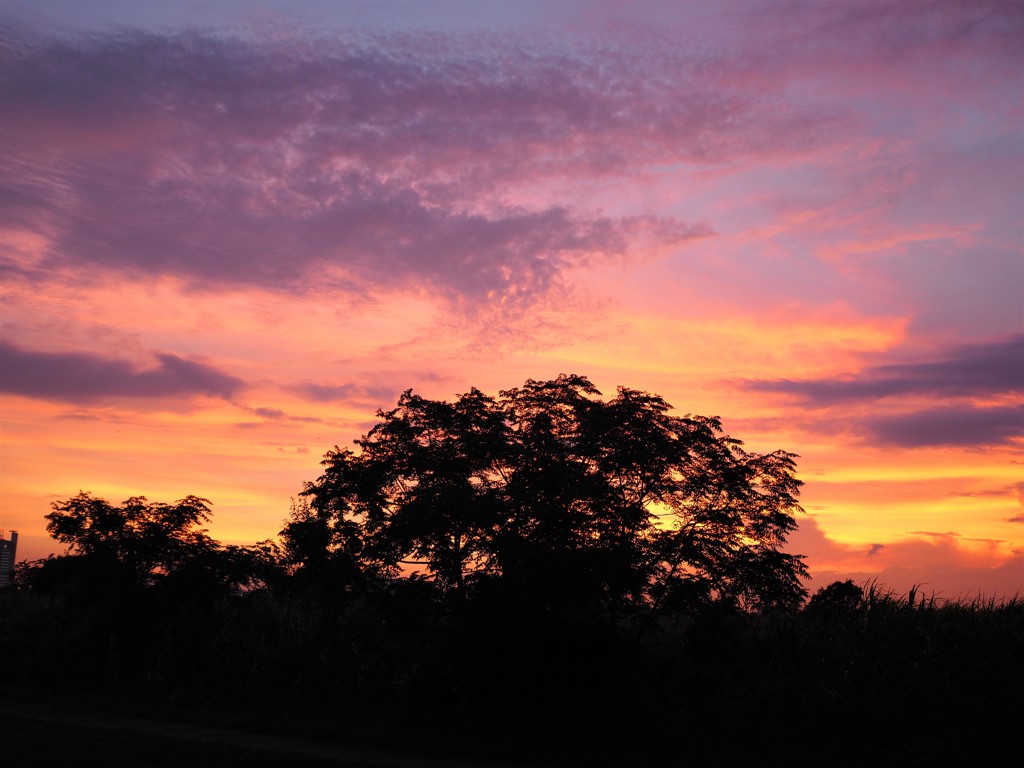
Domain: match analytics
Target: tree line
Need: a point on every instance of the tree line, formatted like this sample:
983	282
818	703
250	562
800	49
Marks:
546	493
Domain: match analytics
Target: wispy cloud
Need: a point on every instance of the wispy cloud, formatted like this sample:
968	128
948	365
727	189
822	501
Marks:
326	393
354	166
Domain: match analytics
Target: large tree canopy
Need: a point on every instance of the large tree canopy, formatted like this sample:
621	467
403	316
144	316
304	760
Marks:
564	496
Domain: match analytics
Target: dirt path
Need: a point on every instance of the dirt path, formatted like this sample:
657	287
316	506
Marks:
348	756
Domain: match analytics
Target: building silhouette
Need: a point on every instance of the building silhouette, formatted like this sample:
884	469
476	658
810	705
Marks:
8	551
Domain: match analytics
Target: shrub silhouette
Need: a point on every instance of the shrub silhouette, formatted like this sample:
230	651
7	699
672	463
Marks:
840	598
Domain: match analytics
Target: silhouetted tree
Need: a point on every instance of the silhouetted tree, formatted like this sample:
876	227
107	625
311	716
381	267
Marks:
142	543
563	496
840	598
321	549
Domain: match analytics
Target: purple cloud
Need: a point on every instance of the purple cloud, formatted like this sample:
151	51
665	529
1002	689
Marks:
953	425
993	368
370	161
273	414
326	393
354	164
77	377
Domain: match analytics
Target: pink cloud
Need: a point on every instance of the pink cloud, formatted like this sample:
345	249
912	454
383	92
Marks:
942	564
945	401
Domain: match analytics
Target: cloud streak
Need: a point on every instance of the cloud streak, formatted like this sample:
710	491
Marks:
327	393
980	371
951	426
79	377
977	370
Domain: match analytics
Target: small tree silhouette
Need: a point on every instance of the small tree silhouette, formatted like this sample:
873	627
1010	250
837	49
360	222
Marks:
144	544
840	598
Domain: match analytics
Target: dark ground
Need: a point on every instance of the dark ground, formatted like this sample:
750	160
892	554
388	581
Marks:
36	735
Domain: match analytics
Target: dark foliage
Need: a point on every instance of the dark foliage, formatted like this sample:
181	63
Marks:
555	496
883	683
113	550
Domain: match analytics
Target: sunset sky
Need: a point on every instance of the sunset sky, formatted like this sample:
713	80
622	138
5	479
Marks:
230	231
